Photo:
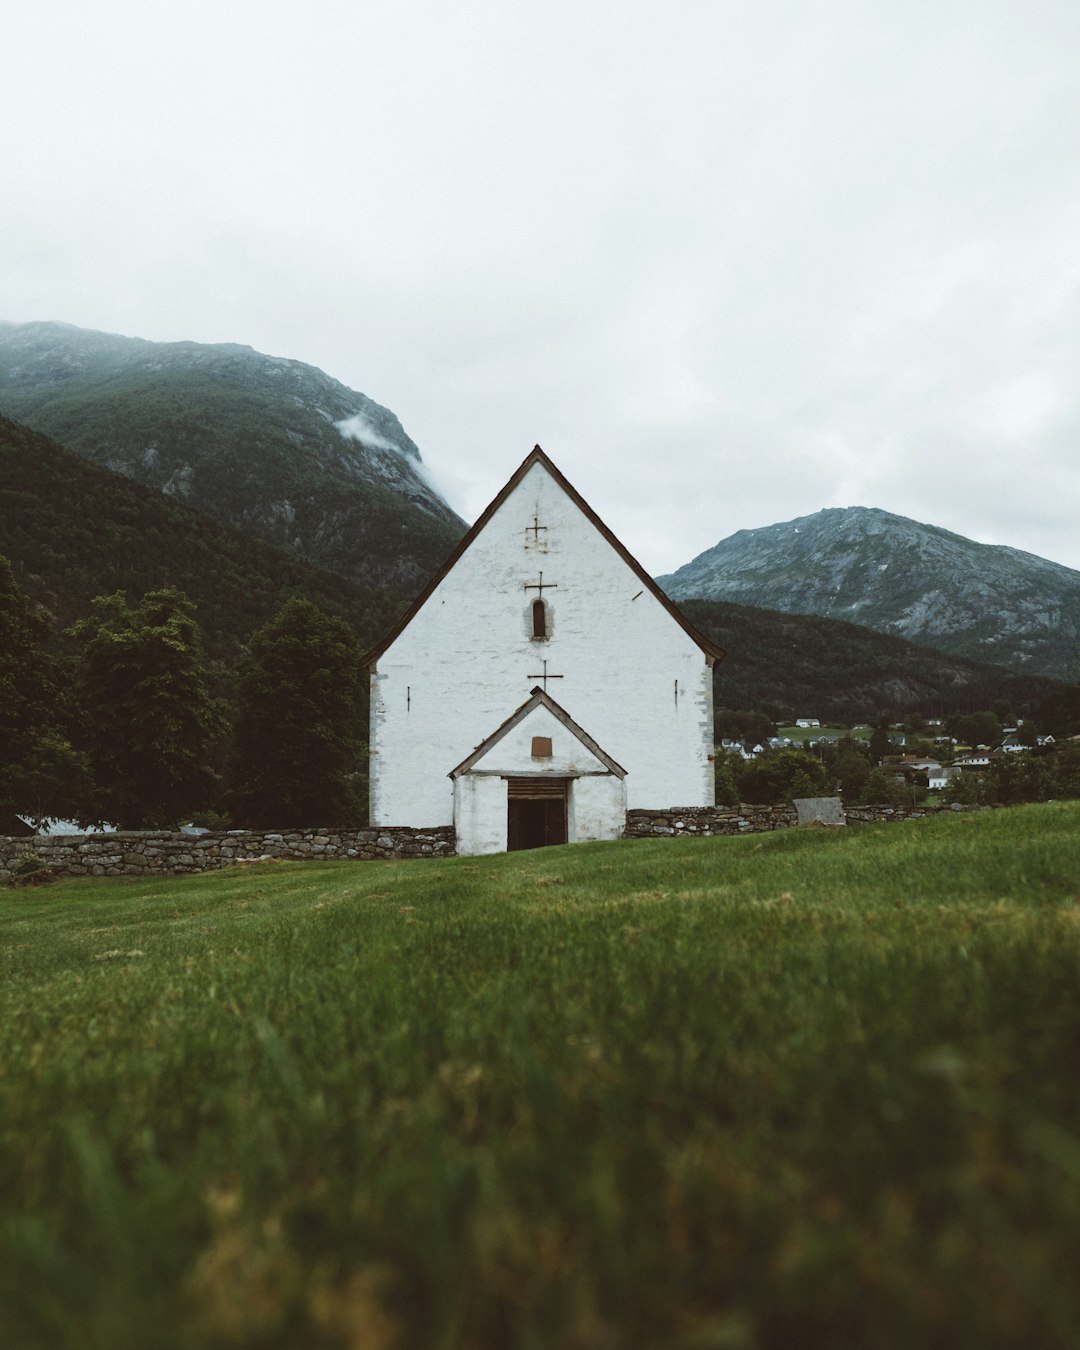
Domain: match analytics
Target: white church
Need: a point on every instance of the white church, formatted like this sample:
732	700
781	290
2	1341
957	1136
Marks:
541	685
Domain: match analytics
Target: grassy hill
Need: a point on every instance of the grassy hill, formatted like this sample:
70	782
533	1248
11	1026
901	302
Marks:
809	1089
74	530
825	668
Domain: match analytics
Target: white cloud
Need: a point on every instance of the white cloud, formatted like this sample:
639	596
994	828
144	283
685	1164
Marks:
358	428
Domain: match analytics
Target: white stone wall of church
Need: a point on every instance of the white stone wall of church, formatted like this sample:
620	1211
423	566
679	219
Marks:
513	753
481	814
629	675
597	809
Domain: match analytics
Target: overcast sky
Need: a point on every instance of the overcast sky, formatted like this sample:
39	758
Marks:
728	263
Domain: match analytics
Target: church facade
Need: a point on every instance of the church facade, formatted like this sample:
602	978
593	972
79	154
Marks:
541	684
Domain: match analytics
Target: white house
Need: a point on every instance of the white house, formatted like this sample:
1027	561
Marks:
541	684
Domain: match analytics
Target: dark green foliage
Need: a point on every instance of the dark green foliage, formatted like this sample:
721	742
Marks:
880	788
58	783
30	870
880	742
41	775
966	789
778	776
740	724
726	769
1048	774
840	672
1059	712
300	729
26	689
980	728
74	531
848	764
149	720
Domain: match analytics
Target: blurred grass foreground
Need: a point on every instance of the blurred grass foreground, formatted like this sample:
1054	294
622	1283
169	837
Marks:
809	1089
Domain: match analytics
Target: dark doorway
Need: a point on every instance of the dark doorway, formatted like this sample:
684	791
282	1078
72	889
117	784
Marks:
535	813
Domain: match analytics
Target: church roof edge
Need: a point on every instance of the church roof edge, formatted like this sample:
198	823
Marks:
538	456
538	699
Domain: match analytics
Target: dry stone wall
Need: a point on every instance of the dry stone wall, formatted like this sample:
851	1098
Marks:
747	819
708	820
146	853
151	852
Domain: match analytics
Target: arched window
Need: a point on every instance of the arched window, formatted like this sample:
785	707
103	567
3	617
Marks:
539	620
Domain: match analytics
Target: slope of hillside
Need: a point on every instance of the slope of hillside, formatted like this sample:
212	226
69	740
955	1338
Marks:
869	567
815	667
271	445
73	530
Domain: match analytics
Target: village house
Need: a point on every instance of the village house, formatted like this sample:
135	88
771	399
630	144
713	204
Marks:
540	685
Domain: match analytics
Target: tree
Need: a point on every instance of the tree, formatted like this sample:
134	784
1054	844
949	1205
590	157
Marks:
299	742
882	789
743	725
149	718
27	688
974	729
848	761
880	741
779	776
725	767
57	784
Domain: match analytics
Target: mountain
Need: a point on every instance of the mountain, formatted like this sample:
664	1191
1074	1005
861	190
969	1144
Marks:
981	601
801	665
73	530
271	445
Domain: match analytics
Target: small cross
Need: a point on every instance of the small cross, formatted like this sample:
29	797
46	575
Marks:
542	585
535	528
545	677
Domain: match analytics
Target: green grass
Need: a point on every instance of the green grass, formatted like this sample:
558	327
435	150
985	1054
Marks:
808	1089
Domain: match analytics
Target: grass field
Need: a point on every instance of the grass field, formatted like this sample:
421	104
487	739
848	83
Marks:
808	1089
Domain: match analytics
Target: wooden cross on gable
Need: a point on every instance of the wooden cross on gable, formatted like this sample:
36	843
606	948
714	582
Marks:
535	528
541	586
545	677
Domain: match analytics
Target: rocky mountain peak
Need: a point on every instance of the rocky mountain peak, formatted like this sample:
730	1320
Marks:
899	576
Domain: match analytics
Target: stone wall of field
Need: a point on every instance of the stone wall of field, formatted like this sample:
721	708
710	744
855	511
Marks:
746	819
152	852
708	820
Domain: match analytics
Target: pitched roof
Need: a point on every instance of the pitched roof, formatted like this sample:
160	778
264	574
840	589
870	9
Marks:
537	456
538	699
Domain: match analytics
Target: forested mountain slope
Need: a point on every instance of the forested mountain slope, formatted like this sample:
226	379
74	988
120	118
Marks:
274	446
800	665
74	530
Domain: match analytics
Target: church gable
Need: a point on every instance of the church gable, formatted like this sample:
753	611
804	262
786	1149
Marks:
539	595
537	541
539	738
